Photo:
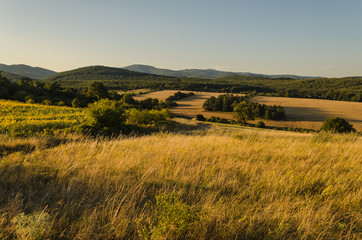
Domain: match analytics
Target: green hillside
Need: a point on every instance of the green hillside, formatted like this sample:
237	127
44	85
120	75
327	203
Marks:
12	76
346	89
110	77
27	71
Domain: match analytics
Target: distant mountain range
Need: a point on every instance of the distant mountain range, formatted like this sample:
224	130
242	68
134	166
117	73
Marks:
17	71
206	73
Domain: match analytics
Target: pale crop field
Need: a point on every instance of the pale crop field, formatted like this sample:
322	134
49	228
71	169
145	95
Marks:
190	106
310	113
300	112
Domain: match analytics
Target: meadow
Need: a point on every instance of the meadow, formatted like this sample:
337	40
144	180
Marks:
23	119
216	184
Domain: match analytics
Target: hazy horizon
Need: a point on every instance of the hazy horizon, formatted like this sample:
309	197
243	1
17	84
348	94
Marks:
308	38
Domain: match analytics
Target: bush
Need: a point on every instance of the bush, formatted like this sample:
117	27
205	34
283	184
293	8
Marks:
147	117
260	124
200	117
33	226
107	114
337	125
171	219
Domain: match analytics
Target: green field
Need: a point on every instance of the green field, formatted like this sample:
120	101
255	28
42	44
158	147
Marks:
21	118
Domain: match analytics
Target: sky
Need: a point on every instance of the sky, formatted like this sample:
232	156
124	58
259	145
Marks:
309	37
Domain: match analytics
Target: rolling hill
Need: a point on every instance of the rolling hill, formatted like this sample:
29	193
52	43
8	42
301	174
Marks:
204	73
27	71
110	77
12	76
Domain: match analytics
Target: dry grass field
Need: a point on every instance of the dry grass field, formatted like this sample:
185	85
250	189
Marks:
310	113
246	184
190	106
300	112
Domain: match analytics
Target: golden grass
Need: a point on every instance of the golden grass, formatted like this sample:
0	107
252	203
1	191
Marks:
248	184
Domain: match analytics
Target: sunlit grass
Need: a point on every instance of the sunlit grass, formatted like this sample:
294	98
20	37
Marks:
245	184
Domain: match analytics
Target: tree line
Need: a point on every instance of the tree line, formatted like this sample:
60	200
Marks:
248	110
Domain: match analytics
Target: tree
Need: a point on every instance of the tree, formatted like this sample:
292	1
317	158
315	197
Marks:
200	117
97	90
243	113
337	125
107	114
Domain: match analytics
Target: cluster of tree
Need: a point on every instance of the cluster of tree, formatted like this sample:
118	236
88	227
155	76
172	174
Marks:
346	89
179	95
28	90
52	93
337	125
244	111
223	103
111	118
148	103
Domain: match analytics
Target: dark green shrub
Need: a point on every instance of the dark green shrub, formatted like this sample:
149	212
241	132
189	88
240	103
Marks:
337	125
200	117
260	124
107	114
147	117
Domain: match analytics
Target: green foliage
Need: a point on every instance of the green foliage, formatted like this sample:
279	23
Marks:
243	113
223	103
200	117
218	120
337	125
96	90
179	95
260	124
34	226
107	114
171	219
147	117
228	102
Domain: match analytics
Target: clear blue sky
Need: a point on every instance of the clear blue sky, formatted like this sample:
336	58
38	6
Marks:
304	37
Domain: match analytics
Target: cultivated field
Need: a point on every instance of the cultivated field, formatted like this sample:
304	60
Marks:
300	112
247	184
310	113
190	106
22	118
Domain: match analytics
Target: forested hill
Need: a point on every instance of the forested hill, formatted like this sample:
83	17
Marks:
203	73
345	89
12	76
26	71
110	77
